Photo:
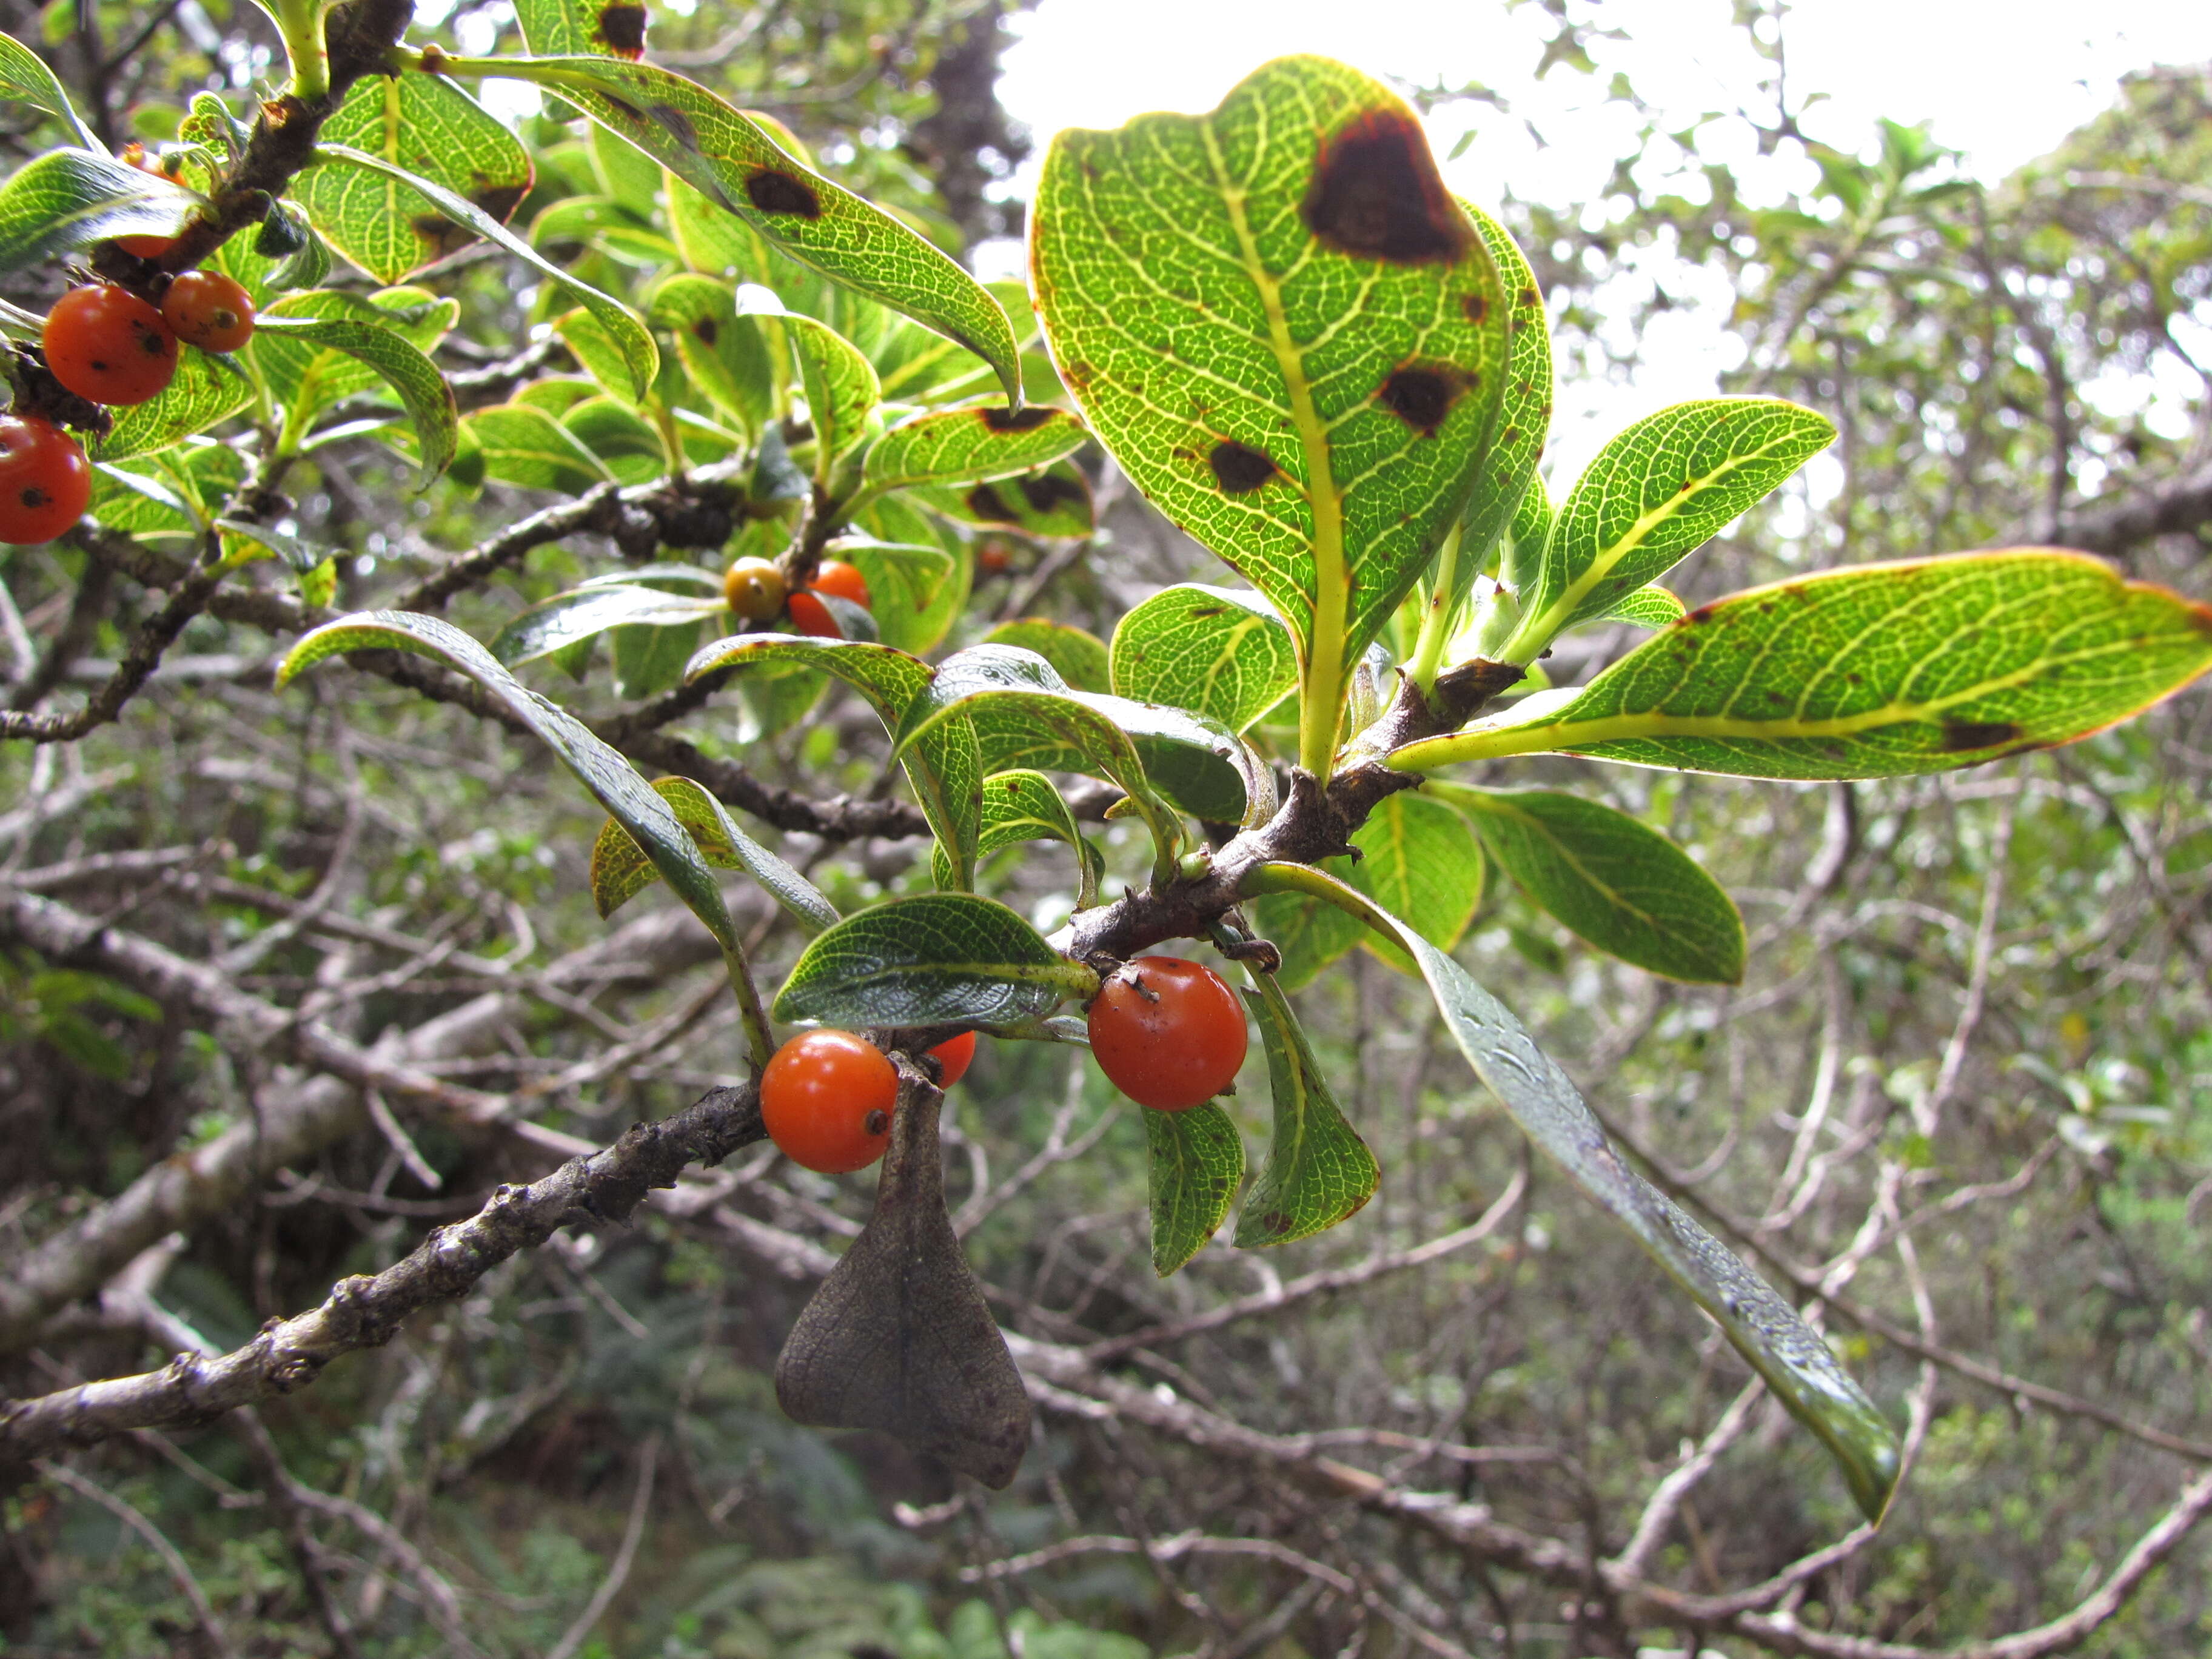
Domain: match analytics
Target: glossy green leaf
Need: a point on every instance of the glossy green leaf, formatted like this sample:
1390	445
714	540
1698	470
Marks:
1287	333
1612	879
911	587
1053	501
427	127
559	622
934	960
1524	415
138	505
1653	607
1878	671
732	158
1318	1171
1078	656
306	375
945	767
71	198
631	336
204	391
969	444
24	78
1656	493
621	870
1419	859
602	771
1220	651
1197	1162
626	446
524	445
840	385
1796	1362
1021	806
325	323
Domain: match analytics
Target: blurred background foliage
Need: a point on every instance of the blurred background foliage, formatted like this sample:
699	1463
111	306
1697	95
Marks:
1977	1011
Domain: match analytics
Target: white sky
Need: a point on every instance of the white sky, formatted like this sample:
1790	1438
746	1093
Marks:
2003	82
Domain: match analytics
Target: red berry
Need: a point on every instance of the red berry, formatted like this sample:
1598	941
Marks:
991	558
107	344
146	247
955	1057
44	480
209	310
1169	1034
827	1098
838	580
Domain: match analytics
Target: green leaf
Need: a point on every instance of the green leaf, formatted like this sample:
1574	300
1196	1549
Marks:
733	159
1053	501
1418	858
1524	415
911	593
1794	1360
602	771
945	767
25	77
204	391
1318	1171
1611	879
615	28
628	448
621	870
968	444
724	359
1651	607
526	445
1076	655
1310	934
1197	1162
585	614
1883	670
1021	806
1287	333
1220	651
840	383
1656	493
301	557
649	661
426	127
934	960
633	339
70	199
378	343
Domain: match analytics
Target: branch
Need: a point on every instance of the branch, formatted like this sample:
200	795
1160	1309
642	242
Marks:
366	1312
2182	507
158	634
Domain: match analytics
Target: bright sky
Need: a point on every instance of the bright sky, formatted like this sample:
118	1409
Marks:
2003	82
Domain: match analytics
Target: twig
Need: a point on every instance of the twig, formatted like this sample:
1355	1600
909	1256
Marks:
618	1572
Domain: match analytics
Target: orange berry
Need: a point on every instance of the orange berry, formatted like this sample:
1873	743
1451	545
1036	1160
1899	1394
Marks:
209	310
107	344
1169	1034
44	480
838	580
826	1100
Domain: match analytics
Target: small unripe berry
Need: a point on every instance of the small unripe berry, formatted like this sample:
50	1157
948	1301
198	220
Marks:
754	589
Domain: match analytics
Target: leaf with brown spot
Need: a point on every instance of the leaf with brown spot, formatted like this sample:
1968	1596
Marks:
735	162
1882	671
432	129
1268	304
898	1339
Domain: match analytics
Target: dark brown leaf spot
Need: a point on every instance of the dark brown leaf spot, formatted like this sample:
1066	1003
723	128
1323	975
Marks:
1529	296
1377	194
1017	420
1704	613
1422	394
1958	736
1045	492
987	504
705	330
678	126
1477	307
499	201
1239	471
438	234
622	30
629	112
772	192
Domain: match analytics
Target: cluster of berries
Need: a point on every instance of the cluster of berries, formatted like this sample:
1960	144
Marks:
1169	1034
755	592
108	345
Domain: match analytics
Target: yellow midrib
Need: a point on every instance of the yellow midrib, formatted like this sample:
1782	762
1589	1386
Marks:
1323	647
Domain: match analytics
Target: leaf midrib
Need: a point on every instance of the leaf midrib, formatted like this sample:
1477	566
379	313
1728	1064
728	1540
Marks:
1322	653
